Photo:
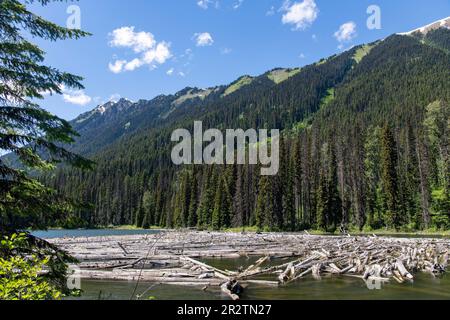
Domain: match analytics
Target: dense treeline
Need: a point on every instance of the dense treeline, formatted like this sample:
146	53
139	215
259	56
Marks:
363	145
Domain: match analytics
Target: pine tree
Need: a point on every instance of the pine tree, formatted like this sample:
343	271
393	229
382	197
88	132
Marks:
288	184
230	190
298	180
389	177
221	212
423	168
219	206
193	202
437	133
323	204
206	205
140	216
335	204
186	198
177	219
238	200
372	176
32	134
148	209
265	204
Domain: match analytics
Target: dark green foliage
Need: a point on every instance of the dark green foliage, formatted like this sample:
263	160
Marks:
206	206
389	178
264	204
193	201
221	213
323	204
329	206
34	136
27	130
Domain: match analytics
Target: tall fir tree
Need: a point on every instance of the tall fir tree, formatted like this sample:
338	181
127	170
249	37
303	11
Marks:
322	203
335	203
265	204
35	136
206	205
193	203
389	177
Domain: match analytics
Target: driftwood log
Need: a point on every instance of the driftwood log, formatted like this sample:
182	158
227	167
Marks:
174	258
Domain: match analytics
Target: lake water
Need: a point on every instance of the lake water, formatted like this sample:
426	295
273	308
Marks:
52	234
424	287
60	233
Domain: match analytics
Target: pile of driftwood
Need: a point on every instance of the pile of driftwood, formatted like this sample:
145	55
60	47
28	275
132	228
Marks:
173	258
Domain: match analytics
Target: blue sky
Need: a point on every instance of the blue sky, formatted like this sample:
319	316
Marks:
143	48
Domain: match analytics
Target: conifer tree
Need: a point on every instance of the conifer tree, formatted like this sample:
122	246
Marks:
389	177
148	209
34	136
322	209
372	176
186	198
238	199
265	204
219	206
193	202
206	205
288	198
335	209
222	205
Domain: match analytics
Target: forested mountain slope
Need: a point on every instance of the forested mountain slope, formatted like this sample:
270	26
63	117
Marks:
365	143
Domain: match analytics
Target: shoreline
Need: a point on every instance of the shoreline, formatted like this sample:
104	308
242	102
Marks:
378	233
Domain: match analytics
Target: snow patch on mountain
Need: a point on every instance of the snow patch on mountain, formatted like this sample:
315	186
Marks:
443	23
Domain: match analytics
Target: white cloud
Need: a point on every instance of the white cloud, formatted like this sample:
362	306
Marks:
151	52
203	39
133	64
181	74
77	97
300	14
302	56
117	66
346	32
160	54
204	4
238	4
126	37
170	71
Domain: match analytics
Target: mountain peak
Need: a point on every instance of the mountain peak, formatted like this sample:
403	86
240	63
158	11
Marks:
122	103
443	23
